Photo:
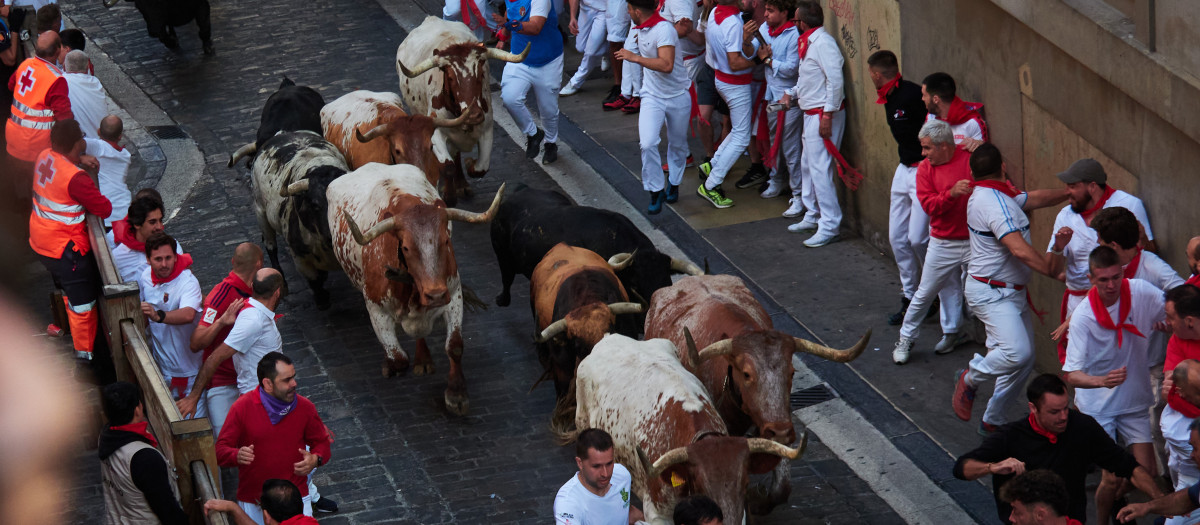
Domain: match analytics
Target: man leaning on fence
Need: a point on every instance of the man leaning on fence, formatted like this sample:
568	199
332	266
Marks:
138	485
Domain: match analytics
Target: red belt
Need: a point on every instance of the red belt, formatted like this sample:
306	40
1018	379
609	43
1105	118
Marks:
737	80
998	284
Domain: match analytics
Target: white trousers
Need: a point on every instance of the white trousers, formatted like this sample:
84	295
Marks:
674	112
908	228
1183	470
219	399
693	65
452	10
817	191
256	513
1005	313
790	148
942	276
518	81
631	74
740	99
592	41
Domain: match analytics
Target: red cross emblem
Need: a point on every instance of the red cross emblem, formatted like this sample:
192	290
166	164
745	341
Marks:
26	81
45	171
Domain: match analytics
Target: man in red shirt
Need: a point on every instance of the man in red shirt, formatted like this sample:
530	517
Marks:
271	432
943	185
281	505
1183	318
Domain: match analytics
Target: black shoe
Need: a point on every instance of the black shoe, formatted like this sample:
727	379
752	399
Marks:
756	174
898	317
612	95
533	144
550	153
208	49
672	193
325	505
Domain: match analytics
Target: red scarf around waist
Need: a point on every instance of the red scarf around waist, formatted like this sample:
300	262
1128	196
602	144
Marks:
1105	320
141	429
887	88
1002	186
1041	431
802	43
1132	268
1087	214
182	262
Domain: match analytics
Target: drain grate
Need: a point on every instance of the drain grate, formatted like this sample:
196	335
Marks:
812	396
167	132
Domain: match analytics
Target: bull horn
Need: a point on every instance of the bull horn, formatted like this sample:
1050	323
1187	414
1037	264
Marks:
625	308
670	459
692	354
620	261
643	459
837	356
371	135
424	66
450	123
243	151
294	188
719	348
506	56
766	446
364	239
456	214
682	266
555	328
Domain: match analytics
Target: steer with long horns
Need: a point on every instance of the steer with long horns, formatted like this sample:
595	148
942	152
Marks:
443	72
289	179
391	233
666	429
745	364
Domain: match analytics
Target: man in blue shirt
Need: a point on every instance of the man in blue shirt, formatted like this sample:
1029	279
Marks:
534	23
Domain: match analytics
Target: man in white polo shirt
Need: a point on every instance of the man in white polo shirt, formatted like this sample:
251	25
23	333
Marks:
171	297
729	53
253	335
664	100
1107	360
599	493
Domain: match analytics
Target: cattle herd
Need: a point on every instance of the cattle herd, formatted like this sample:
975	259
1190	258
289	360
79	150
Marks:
353	185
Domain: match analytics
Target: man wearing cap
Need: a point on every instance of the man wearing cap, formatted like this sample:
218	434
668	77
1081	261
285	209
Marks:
1088	193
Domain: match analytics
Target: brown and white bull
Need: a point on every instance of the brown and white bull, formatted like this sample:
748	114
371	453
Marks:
665	427
369	126
745	364
403	262
444	73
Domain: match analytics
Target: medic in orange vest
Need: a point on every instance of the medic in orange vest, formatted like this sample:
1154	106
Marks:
39	99
62	196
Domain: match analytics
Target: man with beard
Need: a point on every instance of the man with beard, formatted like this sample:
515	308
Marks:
599	493
170	296
939	93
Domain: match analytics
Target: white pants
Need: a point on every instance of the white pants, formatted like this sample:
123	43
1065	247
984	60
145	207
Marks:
631	74
452	10
592	41
219	399
740	99
201	405
942	276
518	81
1005	313
817	191
674	112
616	20
908	228
693	65
1184	472
256	513
790	147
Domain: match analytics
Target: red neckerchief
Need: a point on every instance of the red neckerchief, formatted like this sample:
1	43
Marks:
1105	320
803	41
1193	280
1004	187
960	111
140	429
1042	432
1189	349
1069	522
721	12
887	88
114	145
776	31
1132	268
182	262
650	22
1087	214
123	234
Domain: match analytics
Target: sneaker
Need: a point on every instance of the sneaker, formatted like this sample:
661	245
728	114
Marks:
617	103
986	429
532	144
773	190
604	65
756	174
900	353
691	163
672	193
795	208
550	153
964	396
705	169
325	505
803	226
716	196
568	90
613	94
948	343
898	317
633	106
821	239
656	202
83	355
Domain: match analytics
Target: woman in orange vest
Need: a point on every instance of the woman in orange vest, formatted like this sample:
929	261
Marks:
63	194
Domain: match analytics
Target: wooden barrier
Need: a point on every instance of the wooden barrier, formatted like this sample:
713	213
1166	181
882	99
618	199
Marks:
204	491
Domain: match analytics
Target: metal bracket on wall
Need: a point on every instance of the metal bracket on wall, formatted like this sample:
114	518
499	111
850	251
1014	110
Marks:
1025	79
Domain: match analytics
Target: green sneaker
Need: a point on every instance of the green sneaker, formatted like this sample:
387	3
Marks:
716	196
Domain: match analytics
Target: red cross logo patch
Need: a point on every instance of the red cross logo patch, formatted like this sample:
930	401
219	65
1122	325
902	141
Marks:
45	171
26	81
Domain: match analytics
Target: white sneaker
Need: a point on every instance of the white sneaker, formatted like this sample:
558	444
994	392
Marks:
795	208
820	239
604	63
568	90
900	353
803	226
948	343
773	190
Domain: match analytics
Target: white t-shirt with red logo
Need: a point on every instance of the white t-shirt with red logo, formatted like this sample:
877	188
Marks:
171	343
576	505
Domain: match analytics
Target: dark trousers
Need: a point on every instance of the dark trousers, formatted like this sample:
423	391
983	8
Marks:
79	278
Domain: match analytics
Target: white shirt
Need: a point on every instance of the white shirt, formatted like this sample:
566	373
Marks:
576	505
967	130
1084	239
722	39
616	15
1093	350
676	10
114	165
87	101
819	78
990	216
656	84
35	4
1156	271
785	60
253	336
171	343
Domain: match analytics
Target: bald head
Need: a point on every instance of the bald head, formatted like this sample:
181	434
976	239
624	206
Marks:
267	282
1187	380
111	126
247	259
1193	254
48	45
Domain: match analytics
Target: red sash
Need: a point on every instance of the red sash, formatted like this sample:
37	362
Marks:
850	176
1062	318
471	15
1105	320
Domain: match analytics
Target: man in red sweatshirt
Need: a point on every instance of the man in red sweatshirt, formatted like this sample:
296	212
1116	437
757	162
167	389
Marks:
271	432
1183	317
281	505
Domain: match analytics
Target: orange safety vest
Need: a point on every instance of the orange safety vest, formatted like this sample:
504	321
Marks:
28	129
56	219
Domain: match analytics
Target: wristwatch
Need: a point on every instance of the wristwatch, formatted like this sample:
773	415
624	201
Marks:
769	60
162	316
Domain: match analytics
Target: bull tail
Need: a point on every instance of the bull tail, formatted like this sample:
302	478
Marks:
562	420
471	302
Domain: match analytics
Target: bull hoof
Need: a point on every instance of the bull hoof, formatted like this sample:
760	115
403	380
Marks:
503	299
457	404
422	369
395	367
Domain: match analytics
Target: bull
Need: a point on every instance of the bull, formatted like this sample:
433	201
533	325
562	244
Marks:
367	126
290	108
403	262
443	73
665	424
531	221
745	364
290	178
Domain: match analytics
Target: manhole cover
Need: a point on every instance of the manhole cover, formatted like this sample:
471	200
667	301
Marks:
167	132
811	396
